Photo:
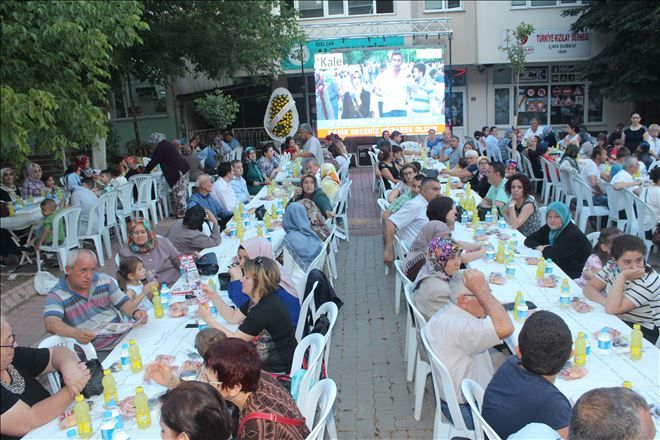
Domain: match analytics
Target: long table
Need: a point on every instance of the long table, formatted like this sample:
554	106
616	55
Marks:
604	370
163	336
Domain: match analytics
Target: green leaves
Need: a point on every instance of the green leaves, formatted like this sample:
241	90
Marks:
217	109
54	75
515	51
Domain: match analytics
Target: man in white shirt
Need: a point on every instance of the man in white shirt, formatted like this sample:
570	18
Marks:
391	88
312	167
312	147
590	172
410	218
624	178
461	333
222	191
84	198
534	130
238	183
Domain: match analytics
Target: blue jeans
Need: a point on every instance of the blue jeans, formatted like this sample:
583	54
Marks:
465	411
394	114
600	200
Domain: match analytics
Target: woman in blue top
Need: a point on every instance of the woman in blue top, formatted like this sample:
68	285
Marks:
261	247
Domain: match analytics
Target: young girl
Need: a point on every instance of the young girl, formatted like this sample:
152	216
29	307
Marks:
600	255
130	274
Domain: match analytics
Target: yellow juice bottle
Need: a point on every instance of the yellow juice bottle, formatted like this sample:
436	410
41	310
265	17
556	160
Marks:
142	413
83	419
109	387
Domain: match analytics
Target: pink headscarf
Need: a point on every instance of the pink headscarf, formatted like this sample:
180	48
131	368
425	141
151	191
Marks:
261	247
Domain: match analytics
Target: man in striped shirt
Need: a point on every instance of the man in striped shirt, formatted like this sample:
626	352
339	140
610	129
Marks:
628	287
83	299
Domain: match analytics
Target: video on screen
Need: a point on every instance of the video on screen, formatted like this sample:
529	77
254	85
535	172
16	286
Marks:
363	92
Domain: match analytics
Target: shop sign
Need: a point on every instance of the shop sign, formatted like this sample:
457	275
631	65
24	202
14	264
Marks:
555	43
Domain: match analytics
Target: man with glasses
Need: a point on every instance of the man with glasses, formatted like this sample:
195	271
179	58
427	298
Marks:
408	221
462	332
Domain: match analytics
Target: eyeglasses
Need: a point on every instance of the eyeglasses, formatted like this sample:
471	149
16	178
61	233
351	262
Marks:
204	378
12	342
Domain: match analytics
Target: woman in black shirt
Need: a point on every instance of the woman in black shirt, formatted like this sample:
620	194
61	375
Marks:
264	320
24	402
388	168
635	134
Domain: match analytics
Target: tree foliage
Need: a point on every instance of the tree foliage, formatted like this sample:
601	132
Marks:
514	49
217	109
627	68
54	73
217	38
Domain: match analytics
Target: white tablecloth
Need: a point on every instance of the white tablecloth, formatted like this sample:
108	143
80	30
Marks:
23	218
604	370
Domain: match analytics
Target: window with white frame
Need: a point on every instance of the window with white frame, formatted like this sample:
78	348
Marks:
546	3
149	99
341	8
442	5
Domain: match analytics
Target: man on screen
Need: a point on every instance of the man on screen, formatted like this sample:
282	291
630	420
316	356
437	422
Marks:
420	90
391	87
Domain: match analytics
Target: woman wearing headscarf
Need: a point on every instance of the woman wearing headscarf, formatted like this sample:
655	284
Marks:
72	177
301	244
252	174
286	291
175	170
561	240
7	196
311	191
8	190
32	186
158	254
132	165
329	181
443	260
569	159
416	258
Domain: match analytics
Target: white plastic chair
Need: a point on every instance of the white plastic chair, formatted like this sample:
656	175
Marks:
422	368
567	176
381	187
341	212
327	244
96	228
548	182
443	386
307	306
374	167
593	237
646	221
584	207
332	311
125	198
629	207
111	218
529	171
70	218
315	343
318	410
70	343
190	188
553	168
614	200
383	205
146	201
474	396
163	196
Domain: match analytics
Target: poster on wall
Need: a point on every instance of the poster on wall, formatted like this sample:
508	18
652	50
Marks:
567	103
535	99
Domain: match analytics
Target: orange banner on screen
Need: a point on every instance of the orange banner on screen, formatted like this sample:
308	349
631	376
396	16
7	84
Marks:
406	129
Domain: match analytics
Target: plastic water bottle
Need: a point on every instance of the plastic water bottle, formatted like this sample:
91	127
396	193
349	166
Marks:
490	254
510	269
201	324
586	340
636	341
489	217
604	341
124	356
580	351
116	414
71	434
109	388
465	218
565	294
120	434
548	267
107	426
523	311
501	223
214	310
165	297
83	419
142	413
134	354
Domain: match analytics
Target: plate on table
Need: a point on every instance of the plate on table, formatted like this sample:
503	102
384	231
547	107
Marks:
532	261
275	224
550	282
497	278
572	372
267	198
580	306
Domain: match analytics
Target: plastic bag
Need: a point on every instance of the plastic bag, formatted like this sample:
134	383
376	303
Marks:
44	281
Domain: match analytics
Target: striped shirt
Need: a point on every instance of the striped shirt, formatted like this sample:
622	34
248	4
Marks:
643	292
102	304
399	201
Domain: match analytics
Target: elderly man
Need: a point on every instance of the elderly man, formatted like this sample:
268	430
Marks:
238	183
437	151
84	299
222	191
624	178
311	149
410	218
535	129
461	333
202	197
496	195
312	167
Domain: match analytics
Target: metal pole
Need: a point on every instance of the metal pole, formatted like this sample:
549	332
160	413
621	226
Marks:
451	79
304	85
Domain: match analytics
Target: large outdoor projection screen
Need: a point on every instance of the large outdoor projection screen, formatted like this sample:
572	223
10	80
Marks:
363	92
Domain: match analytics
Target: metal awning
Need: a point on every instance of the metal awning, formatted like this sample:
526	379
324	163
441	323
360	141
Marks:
377	29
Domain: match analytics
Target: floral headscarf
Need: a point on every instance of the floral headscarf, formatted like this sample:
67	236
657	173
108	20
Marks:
329	171
440	251
419	247
151	243
82	161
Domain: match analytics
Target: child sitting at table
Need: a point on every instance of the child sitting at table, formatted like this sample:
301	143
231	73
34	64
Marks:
49	185
45	233
629	287
130	274
599	256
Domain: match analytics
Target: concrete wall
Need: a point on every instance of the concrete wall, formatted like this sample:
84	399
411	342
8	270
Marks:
147	125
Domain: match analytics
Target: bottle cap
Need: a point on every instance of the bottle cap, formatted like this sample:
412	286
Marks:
124	345
106	372
627	384
111	403
72	433
636	327
80	398
139	390
580	335
107	414
132	342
